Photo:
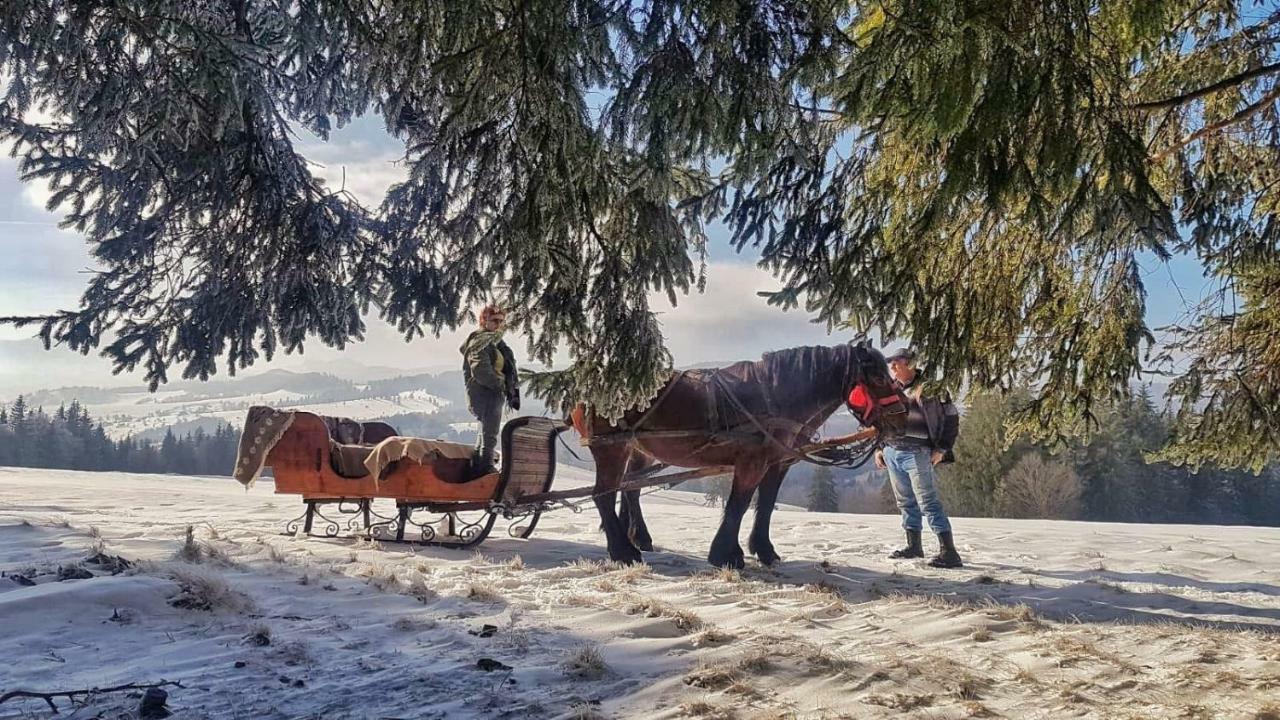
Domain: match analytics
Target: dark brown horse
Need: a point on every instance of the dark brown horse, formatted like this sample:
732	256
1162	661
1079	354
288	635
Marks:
749	415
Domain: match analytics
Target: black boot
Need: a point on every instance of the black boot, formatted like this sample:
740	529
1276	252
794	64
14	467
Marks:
913	549
947	556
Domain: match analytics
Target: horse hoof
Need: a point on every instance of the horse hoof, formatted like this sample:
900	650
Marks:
644	545
765	554
733	562
632	557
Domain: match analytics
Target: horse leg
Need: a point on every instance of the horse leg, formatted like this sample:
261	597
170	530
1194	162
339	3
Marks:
629	513
633	520
725	550
609	469
758	542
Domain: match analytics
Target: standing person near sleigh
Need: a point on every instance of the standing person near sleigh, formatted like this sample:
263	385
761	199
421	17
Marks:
932	426
489	370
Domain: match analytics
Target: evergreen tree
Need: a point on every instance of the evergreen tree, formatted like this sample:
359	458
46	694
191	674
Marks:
822	491
984	453
1038	151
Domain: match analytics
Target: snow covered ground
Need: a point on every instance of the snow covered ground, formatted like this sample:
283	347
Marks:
1048	620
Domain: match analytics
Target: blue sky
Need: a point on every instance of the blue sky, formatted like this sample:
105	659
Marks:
43	269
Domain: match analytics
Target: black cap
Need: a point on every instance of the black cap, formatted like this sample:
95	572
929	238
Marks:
902	353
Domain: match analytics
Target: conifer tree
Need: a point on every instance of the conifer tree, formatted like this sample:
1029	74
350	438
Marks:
822	491
985	184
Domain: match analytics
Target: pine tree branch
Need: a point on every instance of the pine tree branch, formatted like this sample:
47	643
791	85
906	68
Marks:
1232	81
1212	128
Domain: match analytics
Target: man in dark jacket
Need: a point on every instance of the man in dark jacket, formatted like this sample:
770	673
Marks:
489	370
932	426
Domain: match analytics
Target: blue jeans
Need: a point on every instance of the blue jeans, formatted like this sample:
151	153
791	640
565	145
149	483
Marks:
916	488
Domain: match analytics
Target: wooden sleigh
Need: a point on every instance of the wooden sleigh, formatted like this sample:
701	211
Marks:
462	510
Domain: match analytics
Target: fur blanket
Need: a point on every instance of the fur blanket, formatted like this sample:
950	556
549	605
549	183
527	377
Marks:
263	428
386	453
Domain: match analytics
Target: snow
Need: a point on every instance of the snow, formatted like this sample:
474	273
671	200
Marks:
137	412
1047	620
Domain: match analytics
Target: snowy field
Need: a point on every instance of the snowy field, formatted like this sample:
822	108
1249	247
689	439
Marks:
1048	620
132	413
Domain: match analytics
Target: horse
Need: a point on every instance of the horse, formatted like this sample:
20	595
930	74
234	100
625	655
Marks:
749	415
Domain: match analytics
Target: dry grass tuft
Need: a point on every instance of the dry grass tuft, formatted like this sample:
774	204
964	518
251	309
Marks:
515	563
412	624
744	691
1026	677
259	635
419	590
704	709
579	600
1026	618
191	551
586	711
981	634
294	652
900	701
728	575
686	620
585	662
969	687
483	592
714	676
1074	649
629	574
379	577
206	591
725	673
1208	657
830	594
1270	711
94	532
824	657
712	636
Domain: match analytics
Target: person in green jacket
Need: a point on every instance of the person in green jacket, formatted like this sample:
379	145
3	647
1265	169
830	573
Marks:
489	370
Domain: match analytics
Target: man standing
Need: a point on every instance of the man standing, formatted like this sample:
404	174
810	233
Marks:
932	426
489	370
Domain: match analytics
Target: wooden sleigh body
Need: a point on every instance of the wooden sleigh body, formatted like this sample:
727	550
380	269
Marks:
462	510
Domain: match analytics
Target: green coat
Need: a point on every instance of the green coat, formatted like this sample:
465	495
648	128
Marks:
480	355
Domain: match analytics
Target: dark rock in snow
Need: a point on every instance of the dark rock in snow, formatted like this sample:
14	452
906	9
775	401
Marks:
153	705
73	572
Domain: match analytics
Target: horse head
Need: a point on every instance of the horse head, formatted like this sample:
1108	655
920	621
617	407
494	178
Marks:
872	395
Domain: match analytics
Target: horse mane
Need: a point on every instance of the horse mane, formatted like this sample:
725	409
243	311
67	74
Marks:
811	365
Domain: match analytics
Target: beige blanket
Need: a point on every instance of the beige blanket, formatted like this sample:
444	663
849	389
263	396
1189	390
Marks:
263	428
418	450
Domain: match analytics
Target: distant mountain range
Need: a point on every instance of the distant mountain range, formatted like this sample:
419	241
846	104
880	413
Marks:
425	404
433	404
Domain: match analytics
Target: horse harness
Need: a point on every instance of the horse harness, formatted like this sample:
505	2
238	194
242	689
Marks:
716	386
